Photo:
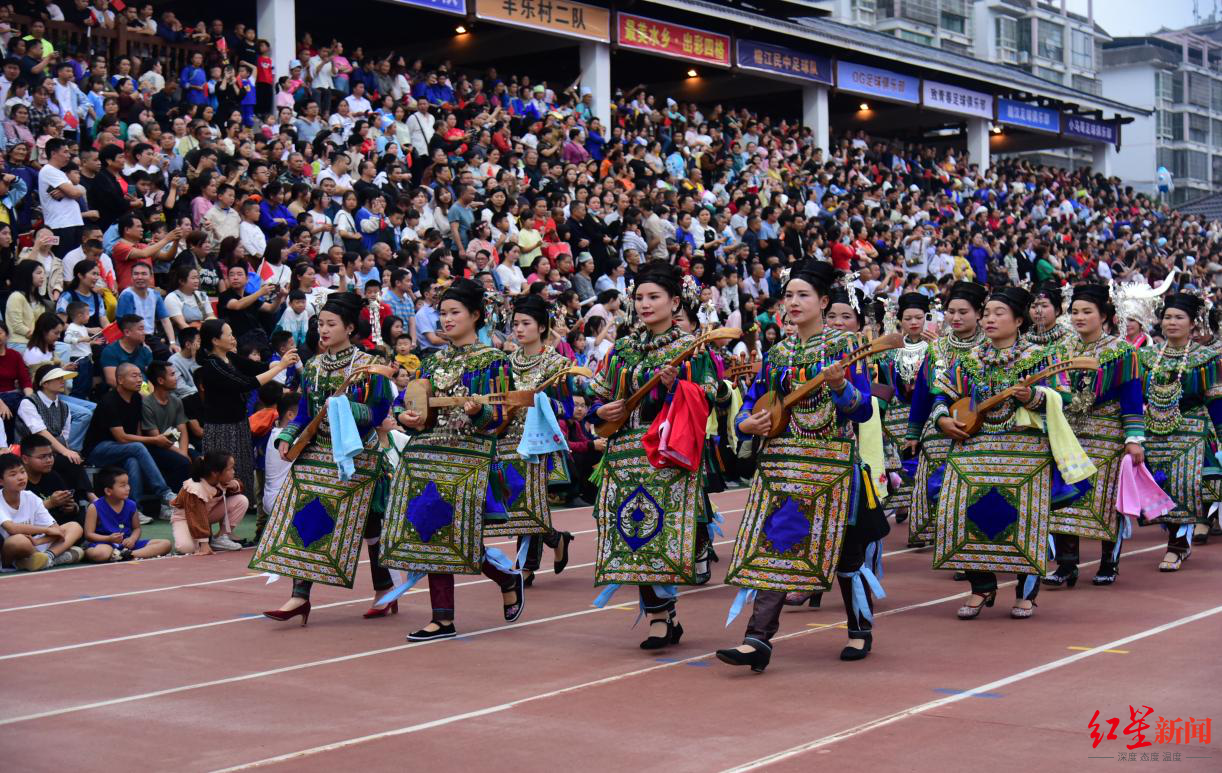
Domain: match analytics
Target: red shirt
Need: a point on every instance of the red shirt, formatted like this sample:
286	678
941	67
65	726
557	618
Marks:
267	70
14	375
842	256
121	257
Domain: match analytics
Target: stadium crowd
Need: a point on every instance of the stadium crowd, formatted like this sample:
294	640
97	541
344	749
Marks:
166	238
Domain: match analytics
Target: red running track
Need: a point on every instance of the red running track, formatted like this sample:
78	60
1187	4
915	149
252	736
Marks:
164	665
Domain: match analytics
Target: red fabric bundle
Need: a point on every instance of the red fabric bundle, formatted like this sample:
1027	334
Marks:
676	436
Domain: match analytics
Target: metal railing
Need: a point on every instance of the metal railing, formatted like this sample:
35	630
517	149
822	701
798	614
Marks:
113	43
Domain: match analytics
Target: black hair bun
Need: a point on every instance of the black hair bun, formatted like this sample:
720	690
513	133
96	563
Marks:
534	307
974	294
468	292
346	305
662	274
913	301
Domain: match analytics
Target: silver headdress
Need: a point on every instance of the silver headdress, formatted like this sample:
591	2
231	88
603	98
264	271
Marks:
1136	300
846	282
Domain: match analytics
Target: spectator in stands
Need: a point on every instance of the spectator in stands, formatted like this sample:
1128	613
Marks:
129	349
112	525
64	501
115	439
227	379
58	193
32	538
163	414
26	303
47	413
129	250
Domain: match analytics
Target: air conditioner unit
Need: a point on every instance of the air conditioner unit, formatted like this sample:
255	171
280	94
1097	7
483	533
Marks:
1024	57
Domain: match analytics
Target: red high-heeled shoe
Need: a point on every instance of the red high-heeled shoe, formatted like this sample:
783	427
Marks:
390	609
303	610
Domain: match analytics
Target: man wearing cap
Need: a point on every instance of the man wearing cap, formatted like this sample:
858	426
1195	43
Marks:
583	280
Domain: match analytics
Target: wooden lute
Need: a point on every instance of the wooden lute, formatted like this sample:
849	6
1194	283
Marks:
311	429
418	397
609	427
779	410
973	419
551	381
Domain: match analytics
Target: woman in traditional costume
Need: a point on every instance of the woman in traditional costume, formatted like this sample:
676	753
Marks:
1106	415
1183	417
529	514
649	518
445	489
325	508
845	312
994	503
964	309
900	370
800	524
1047	331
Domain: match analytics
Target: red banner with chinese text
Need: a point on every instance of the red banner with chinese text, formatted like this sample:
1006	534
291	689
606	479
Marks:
668	39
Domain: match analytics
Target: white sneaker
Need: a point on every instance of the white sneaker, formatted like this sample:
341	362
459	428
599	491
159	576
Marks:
166	513
223	542
69	556
145	520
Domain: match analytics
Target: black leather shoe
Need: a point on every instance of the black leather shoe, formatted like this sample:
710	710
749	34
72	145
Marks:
443	632
1064	575
674	632
757	658
559	566
853	653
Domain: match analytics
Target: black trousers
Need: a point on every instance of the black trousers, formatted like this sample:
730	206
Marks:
378	573
534	554
1068	552
766	613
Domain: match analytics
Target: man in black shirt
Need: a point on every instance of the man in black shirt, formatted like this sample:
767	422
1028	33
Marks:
114	440
106	196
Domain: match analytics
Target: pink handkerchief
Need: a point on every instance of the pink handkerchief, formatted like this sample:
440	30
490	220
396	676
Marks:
1138	494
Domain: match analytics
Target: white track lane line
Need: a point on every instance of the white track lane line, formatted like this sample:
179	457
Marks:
898	716
229	621
324	662
442	721
109	596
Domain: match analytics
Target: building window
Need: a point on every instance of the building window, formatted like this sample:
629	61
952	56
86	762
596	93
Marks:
1052	41
1216	162
1022	28
1165	119
920	11
1216	126
1049	74
863	12
1162	85
1177	127
1198	89
956	47
1083	50
1215	99
1089	85
1166	159
953	23
1007	39
1198	164
1177	87
1198	128
915	37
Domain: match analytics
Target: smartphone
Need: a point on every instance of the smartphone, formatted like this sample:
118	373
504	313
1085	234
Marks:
54	240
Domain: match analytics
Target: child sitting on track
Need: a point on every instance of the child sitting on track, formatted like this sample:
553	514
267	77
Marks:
112	522
32	540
